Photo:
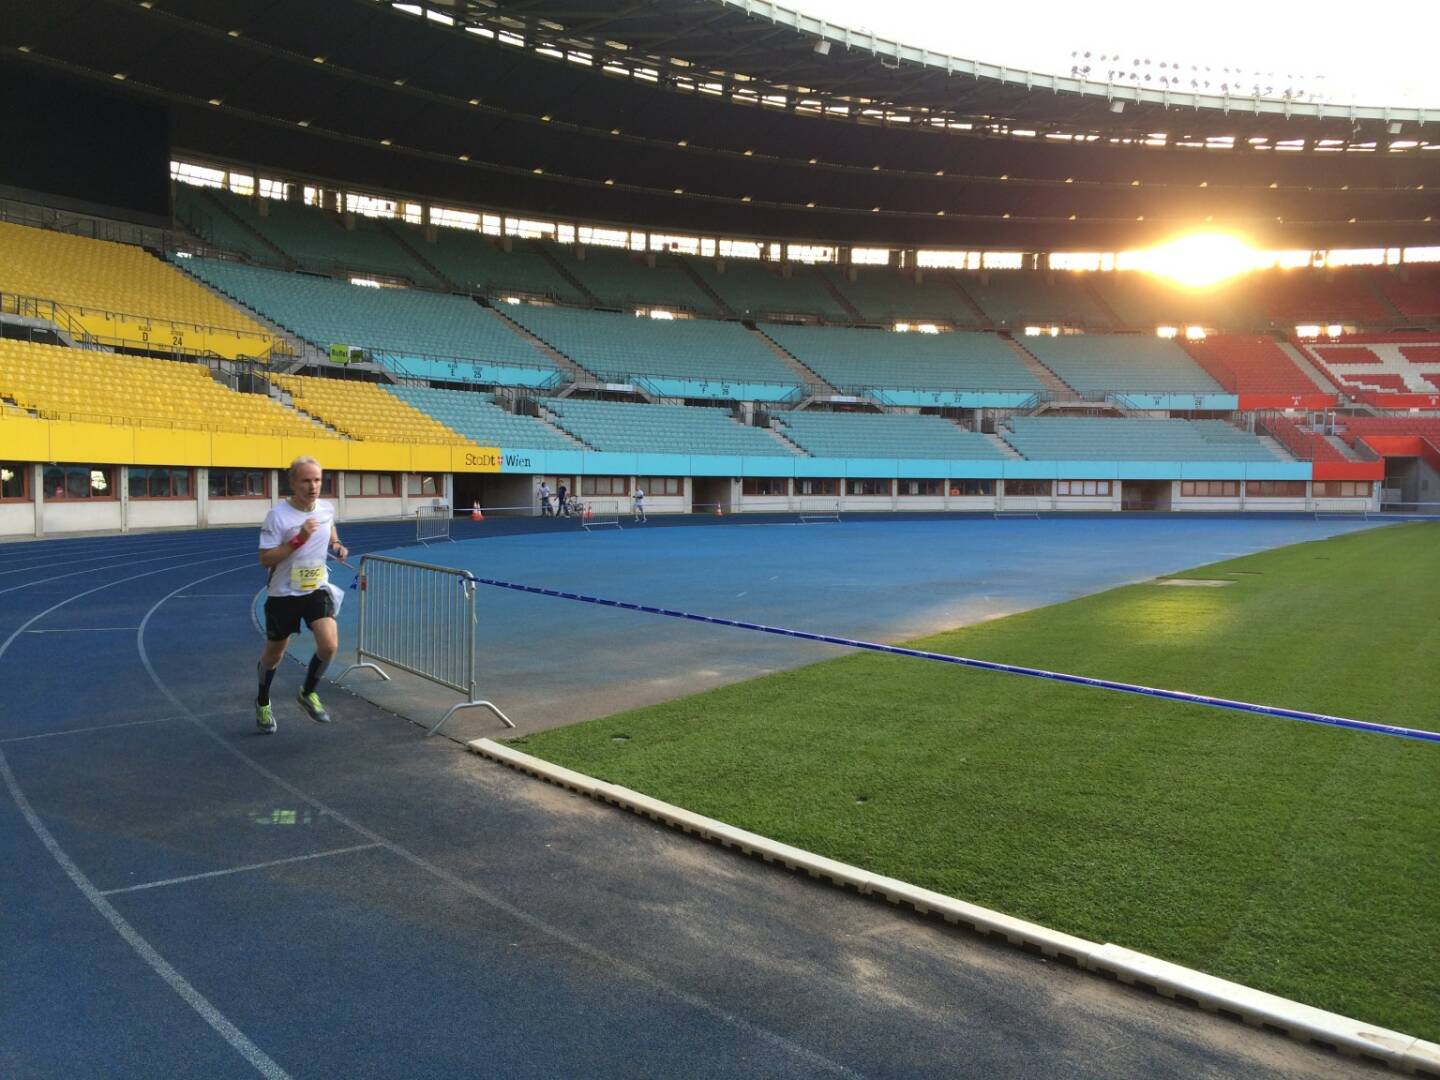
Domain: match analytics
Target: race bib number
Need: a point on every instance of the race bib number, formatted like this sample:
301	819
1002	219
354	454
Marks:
308	578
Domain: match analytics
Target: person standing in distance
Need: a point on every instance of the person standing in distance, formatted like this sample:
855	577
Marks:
637	504
293	542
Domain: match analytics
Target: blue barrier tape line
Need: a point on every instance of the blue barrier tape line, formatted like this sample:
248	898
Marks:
983	665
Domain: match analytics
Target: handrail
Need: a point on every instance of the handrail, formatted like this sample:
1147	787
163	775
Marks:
395	362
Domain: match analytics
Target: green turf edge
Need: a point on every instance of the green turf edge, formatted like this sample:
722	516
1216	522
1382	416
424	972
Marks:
1295	859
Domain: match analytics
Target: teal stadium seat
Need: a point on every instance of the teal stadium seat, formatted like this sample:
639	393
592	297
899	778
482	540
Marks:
476	416
902	435
1019	298
620	347
661	429
886	296
754	289
857	359
476	264
620	279
402	323
1122	363
1043	438
319	241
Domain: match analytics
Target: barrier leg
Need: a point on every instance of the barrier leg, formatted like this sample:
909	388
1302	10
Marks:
470	705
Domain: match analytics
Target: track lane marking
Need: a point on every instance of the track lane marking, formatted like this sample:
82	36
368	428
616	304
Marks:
237	869
492	900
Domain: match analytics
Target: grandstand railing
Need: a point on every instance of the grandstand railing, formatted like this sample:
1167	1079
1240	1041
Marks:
33	307
67	316
548	377
85	416
74	223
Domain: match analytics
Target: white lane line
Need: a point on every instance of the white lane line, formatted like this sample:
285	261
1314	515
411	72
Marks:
97	727
630	970
81	629
120	724
239	869
93	570
263	1063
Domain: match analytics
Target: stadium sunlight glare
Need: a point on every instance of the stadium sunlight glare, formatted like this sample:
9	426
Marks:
1200	260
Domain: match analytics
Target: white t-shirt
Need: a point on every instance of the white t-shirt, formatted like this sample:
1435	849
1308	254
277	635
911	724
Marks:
638	496
301	572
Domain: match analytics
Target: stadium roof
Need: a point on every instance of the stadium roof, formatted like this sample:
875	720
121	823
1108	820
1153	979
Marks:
732	117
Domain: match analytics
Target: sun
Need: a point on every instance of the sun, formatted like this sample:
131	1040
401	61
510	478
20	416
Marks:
1201	260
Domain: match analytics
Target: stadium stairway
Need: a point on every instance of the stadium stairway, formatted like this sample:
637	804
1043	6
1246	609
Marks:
221	207
1386	304
302	353
704	286
572	370
398	235
561	269
813	383
839	297
1056	387
981	319
1101	303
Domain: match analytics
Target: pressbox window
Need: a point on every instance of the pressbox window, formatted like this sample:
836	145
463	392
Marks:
970	488
370	485
867	487
662	485
424	484
14	486
816	486
239	483
327	485
1275	489
1082	487
1342	489
765	485
1030	488
159	482
605	485
1213	489
66	482
921	487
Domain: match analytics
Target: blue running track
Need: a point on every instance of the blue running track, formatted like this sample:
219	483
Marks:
180	896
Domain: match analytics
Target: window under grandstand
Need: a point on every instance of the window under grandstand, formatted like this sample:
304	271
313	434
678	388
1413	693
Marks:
63	483
14	481
160	482
239	483
370	485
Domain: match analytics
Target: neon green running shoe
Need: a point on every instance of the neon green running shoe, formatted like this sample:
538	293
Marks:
265	719
311	704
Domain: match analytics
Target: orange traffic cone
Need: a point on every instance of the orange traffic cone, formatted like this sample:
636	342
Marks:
476	515
719	511
589	514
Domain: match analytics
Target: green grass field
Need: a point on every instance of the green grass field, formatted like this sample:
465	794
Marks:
1298	859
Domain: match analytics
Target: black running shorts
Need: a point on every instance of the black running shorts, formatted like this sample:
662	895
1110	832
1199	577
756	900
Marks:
283	614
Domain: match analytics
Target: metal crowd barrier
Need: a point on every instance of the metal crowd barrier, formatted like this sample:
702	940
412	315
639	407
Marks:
813	511
433	523
420	619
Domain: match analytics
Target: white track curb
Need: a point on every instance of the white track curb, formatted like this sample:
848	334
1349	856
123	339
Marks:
1402	1052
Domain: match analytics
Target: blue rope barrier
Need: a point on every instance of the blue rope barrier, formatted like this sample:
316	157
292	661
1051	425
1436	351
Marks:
983	665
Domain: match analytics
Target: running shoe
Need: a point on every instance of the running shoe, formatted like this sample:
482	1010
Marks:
265	719
311	704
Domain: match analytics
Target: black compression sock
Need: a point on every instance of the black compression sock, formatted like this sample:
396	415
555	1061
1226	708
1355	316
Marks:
267	676
313	672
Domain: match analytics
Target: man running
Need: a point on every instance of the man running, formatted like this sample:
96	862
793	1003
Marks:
293	542
637	504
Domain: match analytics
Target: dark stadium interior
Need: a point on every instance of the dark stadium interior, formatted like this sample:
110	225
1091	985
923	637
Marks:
545	136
